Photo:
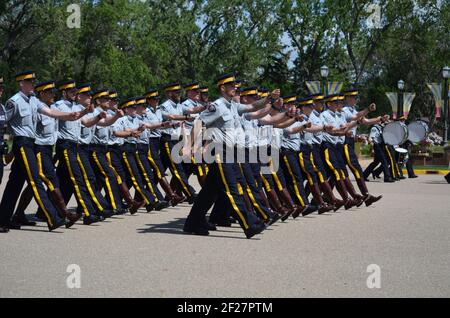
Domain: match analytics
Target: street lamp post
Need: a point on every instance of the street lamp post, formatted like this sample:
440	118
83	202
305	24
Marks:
324	71
446	75
400	86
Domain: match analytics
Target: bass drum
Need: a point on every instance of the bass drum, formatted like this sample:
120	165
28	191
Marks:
395	133
417	131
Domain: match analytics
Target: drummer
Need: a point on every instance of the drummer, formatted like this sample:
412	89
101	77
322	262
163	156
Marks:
407	145
389	152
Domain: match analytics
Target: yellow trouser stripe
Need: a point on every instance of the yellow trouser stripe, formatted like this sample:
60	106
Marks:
119	179
349	162
302	164
391	160
256	204
266	183
206	169
198	166
75	185
291	173
133	179
335	171
108	184
154	165
275	177
147	179
177	175
230	197
44	178
33	186
88	184
321	178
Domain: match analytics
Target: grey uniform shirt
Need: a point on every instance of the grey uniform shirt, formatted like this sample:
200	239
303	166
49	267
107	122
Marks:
144	137
118	126
2	122
251	131
46	129
101	133
329	118
307	137
376	134
68	130
169	107
265	133
154	116
113	139
316	119
21	114
127	122
341	121
349	112
186	105
292	141
87	133
219	119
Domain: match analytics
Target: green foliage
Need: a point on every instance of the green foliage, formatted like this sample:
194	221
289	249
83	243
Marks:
133	45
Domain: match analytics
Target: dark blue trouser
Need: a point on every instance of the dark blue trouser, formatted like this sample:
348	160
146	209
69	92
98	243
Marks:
221	180
379	157
25	168
71	177
293	172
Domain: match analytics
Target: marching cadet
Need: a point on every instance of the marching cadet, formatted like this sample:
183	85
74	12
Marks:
220	117
192	106
351	115
312	107
46	137
380	157
204	95
70	170
331	138
154	117
21	115
142	153
171	110
342	122
250	167
128	128
264	139
88	124
273	178
290	149
305	157
114	157
99	151
3	125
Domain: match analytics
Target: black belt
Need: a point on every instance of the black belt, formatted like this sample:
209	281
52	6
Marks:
84	147
129	146
99	147
22	138
63	142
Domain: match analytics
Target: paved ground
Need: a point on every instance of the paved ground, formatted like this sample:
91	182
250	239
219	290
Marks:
406	234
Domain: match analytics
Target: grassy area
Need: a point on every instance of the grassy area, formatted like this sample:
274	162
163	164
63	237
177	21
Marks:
431	168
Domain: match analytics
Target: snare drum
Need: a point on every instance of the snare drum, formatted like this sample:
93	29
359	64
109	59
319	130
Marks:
395	133
417	131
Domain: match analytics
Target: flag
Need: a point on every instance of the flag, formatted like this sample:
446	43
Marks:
393	99
407	102
334	87
313	87
436	89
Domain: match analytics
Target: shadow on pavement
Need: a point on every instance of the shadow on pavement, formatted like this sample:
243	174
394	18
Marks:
176	227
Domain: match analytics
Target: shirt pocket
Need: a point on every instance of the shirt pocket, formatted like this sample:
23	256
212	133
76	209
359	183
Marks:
48	125
102	133
26	114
